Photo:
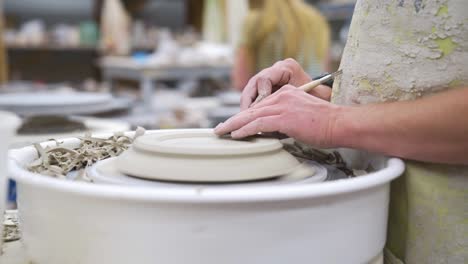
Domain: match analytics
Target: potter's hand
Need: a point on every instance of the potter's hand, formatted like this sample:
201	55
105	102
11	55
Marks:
270	79
290	111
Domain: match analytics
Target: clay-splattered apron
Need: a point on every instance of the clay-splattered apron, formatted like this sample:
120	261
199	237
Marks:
403	50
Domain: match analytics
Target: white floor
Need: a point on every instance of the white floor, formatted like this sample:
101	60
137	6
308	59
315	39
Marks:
14	254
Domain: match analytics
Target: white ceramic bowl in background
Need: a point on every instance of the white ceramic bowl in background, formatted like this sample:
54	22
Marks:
341	221
8	125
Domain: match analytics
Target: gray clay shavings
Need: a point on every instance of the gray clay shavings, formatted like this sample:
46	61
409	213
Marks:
70	163
57	161
305	152
11	230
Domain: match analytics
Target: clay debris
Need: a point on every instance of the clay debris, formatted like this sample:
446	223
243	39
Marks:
58	161
11	230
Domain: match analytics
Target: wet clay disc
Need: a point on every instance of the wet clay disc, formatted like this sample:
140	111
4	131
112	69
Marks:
201	156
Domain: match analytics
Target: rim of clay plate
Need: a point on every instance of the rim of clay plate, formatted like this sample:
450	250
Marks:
173	143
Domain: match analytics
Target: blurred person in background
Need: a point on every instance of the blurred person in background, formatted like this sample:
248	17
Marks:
278	29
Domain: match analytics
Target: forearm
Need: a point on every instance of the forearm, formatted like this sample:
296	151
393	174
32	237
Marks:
431	129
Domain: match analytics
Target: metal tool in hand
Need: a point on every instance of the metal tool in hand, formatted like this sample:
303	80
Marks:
306	87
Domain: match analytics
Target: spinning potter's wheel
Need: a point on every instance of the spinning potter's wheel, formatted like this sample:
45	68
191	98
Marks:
106	172
197	157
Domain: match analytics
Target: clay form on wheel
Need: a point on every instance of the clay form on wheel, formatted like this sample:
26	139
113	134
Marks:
106	172
201	156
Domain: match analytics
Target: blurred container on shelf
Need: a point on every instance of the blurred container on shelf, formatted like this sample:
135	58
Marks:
206	53
182	118
175	109
184	50
213	21
31	33
188	37
139	36
91	85
115	28
140	57
64	35
167	51
236	11
89	33
35	34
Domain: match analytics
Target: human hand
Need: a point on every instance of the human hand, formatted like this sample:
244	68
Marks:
281	73
290	111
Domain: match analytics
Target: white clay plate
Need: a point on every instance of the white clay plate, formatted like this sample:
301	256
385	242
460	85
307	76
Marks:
201	156
106	172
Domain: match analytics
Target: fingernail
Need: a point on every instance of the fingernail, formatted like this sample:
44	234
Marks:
218	128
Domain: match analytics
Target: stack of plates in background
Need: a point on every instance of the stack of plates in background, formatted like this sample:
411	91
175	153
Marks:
64	103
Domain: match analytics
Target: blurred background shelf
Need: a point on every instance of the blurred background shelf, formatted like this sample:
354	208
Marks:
51	48
334	12
50	42
176	15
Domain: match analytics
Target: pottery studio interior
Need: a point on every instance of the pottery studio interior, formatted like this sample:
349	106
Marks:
233	131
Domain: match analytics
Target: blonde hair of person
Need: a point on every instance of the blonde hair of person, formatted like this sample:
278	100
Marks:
303	29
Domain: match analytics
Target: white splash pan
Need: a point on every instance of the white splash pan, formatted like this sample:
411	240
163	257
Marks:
341	221
9	124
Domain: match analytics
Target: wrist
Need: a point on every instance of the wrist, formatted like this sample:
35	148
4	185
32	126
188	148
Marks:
345	131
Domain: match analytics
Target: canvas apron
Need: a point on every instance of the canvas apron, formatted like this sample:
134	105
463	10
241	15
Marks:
404	50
